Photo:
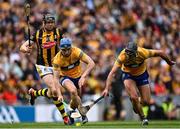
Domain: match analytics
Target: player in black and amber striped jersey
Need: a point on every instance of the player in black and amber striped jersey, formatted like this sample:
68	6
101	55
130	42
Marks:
46	39
47	45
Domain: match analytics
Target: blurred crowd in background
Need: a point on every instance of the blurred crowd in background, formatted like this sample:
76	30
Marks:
101	28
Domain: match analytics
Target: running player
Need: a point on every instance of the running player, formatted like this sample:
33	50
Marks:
67	67
46	39
135	76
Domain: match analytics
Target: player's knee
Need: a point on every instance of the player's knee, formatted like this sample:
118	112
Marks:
73	92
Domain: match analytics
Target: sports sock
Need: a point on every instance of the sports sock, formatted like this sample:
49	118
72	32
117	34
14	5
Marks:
41	92
60	107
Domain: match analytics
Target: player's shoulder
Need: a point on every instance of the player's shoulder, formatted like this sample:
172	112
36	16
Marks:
122	52
59	30
122	55
142	50
39	32
145	52
58	55
77	52
75	48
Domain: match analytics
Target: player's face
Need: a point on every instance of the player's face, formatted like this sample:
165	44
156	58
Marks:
49	25
66	51
130	54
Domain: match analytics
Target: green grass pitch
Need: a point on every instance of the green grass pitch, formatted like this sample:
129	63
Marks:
95	125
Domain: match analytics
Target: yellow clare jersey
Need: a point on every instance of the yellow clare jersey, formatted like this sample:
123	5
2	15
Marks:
69	66
137	65
47	45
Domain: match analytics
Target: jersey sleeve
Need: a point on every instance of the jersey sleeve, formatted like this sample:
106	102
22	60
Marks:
118	62
56	65
147	53
79	53
152	53
120	59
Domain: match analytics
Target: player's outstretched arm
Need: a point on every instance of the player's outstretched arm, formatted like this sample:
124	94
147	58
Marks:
109	80
164	56
25	48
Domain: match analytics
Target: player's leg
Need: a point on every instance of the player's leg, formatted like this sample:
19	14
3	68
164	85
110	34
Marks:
52	93
145	94
34	94
73	104
46	92
44	72
75	99
131	89
80	107
84	117
144	90
145	98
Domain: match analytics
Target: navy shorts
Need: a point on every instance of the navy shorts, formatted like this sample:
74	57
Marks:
140	80
74	80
